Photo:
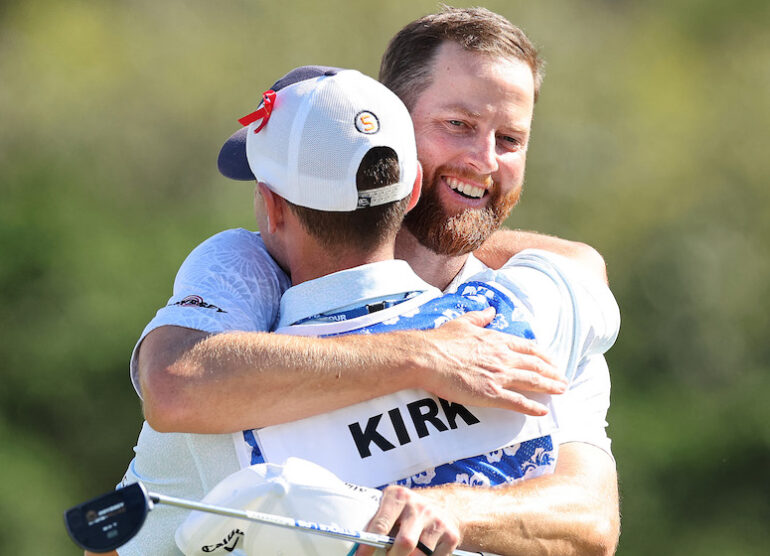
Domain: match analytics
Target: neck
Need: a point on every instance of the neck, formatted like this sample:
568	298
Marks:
311	261
437	270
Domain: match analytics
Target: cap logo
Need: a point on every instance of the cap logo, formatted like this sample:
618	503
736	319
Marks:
366	122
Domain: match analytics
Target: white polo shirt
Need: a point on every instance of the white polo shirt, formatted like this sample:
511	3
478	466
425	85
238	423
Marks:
572	315
230	283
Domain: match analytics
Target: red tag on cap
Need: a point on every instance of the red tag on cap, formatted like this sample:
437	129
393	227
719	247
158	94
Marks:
264	111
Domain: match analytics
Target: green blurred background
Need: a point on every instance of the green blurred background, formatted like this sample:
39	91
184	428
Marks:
650	143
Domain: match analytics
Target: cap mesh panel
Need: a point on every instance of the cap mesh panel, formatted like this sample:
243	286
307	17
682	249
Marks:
330	140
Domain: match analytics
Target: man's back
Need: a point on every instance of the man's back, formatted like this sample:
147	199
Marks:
411	437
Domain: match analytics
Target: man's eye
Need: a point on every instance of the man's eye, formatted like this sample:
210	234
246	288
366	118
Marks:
456	123
510	142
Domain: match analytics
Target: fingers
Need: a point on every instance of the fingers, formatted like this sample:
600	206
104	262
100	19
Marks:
479	318
419	531
521	404
521	353
519	390
384	520
468	363
416	523
364	550
520	365
445	545
524	346
530	374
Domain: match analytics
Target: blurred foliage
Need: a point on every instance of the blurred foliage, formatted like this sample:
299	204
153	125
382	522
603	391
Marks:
649	143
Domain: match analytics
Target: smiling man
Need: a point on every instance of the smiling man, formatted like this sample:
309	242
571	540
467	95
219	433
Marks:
470	80
472	121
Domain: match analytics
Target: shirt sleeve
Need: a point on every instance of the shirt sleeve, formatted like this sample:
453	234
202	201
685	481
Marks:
228	282
574	314
585	404
577	319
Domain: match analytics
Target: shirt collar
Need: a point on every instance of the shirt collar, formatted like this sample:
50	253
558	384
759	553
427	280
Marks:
346	287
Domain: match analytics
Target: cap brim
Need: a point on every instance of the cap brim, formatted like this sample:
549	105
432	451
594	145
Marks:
232	160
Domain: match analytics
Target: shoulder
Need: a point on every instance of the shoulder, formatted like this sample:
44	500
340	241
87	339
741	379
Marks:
539	268
233	271
237	242
545	261
555	288
235	253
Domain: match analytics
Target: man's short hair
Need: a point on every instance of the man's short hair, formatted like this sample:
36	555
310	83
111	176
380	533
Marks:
365	228
407	64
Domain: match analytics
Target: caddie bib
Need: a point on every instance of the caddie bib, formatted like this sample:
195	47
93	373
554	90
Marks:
394	436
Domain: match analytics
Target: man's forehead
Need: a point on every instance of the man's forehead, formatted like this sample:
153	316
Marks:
459	73
451	56
479	87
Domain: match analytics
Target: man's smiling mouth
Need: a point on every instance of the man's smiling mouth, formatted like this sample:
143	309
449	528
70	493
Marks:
466	189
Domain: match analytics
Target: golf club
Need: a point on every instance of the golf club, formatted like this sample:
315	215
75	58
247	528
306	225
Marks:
111	520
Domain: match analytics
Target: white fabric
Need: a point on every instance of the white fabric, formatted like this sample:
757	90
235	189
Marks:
572	316
176	464
319	131
348	288
587	399
297	489
452	432
233	271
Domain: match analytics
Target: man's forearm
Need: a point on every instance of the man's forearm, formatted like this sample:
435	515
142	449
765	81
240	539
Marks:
200	383
504	244
573	511
240	380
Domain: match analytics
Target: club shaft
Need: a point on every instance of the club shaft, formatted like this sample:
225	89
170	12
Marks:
360	537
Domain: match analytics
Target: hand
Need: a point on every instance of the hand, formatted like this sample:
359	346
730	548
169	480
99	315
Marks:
411	517
469	364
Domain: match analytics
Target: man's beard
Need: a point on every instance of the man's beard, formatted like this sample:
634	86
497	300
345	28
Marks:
461	233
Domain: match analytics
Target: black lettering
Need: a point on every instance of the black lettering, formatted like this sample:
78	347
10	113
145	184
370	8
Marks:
454	410
364	438
398	425
420	418
225	541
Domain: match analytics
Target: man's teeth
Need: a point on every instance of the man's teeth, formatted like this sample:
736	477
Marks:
465	188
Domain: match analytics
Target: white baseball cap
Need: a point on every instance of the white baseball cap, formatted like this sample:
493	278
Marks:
298	489
311	131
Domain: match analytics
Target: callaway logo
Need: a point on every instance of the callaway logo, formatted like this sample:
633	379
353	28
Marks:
197	301
228	543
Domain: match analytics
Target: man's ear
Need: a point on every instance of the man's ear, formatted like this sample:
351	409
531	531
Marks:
416	189
274	207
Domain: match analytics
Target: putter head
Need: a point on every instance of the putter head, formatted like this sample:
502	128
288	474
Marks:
110	520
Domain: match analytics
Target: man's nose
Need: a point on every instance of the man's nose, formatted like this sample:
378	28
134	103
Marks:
482	155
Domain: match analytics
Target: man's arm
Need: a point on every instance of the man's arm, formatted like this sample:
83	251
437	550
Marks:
573	511
195	382
504	244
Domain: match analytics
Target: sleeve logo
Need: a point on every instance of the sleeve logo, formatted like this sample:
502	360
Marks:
197	301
